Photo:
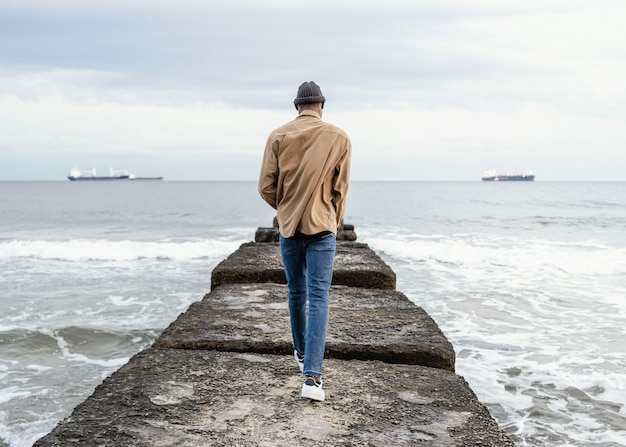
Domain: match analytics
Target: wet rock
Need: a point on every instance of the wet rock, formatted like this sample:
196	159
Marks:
366	324
270	234
166	397
356	265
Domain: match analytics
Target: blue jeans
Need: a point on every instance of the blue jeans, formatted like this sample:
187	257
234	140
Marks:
309	271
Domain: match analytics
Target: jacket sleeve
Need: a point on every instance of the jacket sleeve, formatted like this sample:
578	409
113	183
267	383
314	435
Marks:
268	178
341	183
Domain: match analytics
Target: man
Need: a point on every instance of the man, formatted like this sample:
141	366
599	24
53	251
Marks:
304	176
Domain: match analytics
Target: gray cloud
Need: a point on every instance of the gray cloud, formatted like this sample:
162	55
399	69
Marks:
247	53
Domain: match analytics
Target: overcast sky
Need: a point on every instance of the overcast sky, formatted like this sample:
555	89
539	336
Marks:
426	89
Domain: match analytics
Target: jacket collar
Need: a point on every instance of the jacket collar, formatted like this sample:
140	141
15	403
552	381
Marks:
309	112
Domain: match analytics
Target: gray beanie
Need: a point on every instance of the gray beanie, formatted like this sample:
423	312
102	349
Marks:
309	93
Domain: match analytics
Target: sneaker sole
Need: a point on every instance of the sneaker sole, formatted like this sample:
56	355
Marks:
313	393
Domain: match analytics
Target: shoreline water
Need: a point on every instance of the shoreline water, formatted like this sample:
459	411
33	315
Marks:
527	283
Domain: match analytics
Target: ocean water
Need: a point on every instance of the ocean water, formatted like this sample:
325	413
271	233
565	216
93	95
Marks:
527	280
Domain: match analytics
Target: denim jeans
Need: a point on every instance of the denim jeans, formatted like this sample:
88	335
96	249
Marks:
309	270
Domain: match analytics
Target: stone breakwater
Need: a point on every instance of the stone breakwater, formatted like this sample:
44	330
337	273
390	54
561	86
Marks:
223	373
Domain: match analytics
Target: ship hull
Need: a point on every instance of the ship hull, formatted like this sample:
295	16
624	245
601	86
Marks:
96	179
509	178
108	179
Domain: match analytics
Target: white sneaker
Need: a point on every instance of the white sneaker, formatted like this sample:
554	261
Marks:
299	359
313	390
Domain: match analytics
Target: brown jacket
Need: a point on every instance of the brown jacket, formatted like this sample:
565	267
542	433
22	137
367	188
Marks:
305	174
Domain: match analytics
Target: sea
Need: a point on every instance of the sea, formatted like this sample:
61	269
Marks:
526	279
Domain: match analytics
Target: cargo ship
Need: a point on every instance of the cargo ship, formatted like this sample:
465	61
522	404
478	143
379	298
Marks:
77	174
493	176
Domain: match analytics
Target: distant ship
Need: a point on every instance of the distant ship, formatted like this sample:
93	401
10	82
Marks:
77	174
493	176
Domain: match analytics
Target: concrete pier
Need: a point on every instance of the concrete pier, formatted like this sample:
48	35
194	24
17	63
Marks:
356	265
223	373
365	324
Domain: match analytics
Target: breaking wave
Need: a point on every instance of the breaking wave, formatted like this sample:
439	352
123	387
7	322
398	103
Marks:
105	250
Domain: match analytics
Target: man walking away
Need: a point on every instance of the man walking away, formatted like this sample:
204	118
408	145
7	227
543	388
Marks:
304	176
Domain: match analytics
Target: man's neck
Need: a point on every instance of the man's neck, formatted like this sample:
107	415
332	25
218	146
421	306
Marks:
316	108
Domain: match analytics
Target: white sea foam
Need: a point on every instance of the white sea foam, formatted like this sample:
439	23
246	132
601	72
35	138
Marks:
24	433
12	392
122	301
483	251
105	250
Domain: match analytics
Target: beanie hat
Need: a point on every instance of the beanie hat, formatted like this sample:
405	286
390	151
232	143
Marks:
309	93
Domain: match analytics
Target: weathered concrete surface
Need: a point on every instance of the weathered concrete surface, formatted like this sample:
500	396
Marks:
366	324
173	397
356	265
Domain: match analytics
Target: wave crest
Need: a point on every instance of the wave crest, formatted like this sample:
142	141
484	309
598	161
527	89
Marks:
104	250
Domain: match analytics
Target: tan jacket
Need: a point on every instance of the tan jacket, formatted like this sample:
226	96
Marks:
305	174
